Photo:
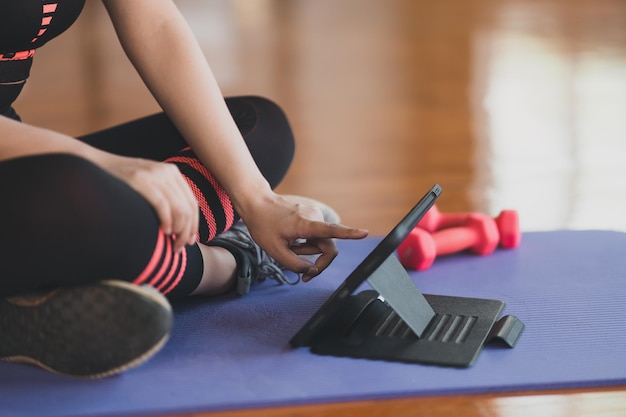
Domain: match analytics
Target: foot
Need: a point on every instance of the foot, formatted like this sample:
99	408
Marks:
253	263
90	331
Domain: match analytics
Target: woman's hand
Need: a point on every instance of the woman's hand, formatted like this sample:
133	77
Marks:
166	190
286	229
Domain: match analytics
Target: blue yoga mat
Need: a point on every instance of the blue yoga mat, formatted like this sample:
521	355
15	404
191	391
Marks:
568	287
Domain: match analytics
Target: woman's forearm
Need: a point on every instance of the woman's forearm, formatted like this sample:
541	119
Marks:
168	58
20	139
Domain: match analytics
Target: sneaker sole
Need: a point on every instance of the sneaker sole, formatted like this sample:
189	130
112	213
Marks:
90	331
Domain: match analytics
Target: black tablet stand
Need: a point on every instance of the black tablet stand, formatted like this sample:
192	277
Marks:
396	322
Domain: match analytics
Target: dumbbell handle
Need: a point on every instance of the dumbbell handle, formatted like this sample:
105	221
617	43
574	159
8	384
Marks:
466	237
459	239
434	220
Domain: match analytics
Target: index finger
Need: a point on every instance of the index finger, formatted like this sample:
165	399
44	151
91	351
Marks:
321	230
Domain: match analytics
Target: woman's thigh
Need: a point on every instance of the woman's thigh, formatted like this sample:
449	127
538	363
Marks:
65	221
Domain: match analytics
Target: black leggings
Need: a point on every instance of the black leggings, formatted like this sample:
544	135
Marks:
65	221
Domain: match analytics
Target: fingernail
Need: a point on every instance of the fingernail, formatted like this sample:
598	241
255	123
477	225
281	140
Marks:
310	273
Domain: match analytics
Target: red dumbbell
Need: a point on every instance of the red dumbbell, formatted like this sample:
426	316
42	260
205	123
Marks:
479	235
507	222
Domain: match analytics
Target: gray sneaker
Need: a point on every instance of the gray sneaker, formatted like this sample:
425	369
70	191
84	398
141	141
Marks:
90	331
253	263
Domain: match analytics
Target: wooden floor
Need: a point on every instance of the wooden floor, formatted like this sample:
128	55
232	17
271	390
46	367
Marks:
506	103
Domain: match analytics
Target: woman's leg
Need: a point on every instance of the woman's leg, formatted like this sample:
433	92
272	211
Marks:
73	229
263	125
65	221
265	130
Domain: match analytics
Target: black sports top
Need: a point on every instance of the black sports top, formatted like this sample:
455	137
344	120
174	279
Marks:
26	25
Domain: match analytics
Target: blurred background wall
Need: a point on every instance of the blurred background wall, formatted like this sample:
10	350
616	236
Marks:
506	103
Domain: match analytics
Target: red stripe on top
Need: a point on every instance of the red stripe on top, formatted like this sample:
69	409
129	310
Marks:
50	8
165	265
171	269
154	261
17	56
205	209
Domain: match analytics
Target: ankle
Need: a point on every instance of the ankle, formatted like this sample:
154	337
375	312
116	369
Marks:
220	270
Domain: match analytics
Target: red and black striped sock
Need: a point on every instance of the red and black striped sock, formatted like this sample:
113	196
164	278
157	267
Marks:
172	273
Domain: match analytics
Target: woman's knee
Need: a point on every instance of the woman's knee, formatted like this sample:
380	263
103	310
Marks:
267	133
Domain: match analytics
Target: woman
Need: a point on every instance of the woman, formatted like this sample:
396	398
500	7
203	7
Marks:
152	204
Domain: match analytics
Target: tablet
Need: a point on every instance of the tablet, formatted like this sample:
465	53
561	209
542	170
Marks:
366	268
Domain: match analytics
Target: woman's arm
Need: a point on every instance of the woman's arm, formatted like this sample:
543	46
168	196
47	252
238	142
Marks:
164	51
20	139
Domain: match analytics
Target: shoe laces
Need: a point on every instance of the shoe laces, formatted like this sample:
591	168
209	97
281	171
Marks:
262	264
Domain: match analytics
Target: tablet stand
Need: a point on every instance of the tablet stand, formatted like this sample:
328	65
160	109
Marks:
396	322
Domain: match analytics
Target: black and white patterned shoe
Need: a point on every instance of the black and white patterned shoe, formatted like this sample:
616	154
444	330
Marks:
253	263
90	331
